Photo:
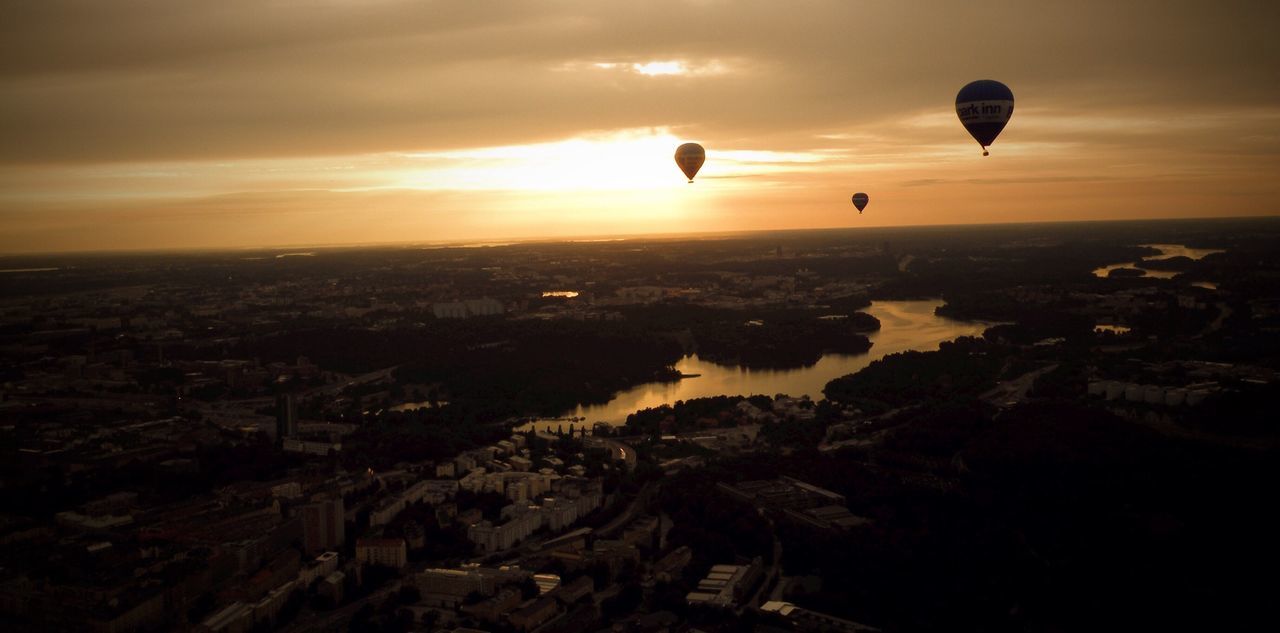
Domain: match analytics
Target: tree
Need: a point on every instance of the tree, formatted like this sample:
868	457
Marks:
361	621
409	594
528	589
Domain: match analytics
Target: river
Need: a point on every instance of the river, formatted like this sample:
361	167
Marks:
904	325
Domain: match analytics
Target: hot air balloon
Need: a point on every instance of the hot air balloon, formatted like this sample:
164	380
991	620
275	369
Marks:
984	107
860	201
690	157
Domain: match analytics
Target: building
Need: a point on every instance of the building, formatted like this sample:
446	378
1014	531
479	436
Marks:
806	620
386	510
446	513
726	585
309	447
827	518
448	587
237	617
415	535
467	308
541	611
518	492
473	481
670	567
559	513
494	608
783	493
286	416
614	553
641	532
433	491
469	517
388	552
287	490
546	583
332	586
323	526
576	590
322	566
446	469
464	463
268	608
521	522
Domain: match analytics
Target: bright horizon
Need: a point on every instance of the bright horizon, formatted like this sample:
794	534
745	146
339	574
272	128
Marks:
585	238
151	125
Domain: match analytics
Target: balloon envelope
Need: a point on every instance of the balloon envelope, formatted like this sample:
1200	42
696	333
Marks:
860	201
690	157
984	107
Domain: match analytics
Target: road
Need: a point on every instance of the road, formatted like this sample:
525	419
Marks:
642	498
247	408
336	620
773	574
622	452
1010	392
334	389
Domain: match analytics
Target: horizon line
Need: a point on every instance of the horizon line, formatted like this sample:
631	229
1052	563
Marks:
565	239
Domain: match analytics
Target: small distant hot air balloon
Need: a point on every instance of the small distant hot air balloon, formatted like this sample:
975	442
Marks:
860	200
690	157
984	107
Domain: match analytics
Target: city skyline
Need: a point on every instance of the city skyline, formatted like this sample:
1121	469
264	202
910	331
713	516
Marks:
147	125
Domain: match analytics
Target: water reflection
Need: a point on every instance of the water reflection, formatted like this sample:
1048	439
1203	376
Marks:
1178	250
1166	251
1152	274
414	406
1115	329
904	325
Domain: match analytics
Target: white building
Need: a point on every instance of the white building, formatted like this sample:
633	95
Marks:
522	521
310	448
474	481
382	551
322	566
448	587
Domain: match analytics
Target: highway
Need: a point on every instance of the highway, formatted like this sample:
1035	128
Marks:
622	452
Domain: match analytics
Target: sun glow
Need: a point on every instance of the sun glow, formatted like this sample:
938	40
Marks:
624	160
660	68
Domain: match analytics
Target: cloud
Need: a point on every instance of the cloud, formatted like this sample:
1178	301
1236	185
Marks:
138	80
132	101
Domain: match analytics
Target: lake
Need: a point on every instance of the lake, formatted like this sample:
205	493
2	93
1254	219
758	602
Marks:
904	325
1166	251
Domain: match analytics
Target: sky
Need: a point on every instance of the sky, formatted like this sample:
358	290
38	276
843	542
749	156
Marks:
154	124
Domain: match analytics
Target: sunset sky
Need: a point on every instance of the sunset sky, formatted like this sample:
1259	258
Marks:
190	124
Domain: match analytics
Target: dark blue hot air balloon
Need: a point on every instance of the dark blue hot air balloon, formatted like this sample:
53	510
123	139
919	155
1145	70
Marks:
984	107
860	200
